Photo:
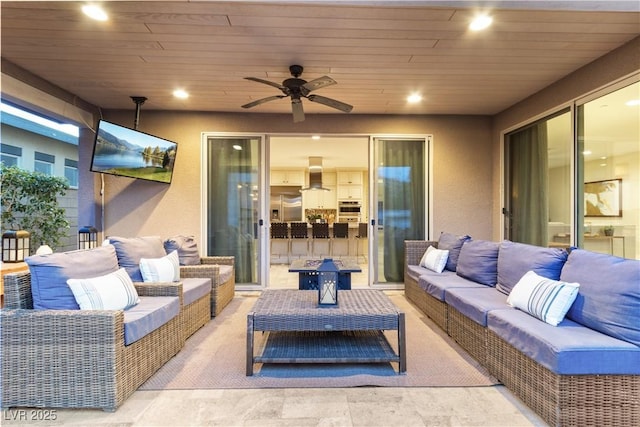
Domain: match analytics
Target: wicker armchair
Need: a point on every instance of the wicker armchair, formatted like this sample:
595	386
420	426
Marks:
77	358
222	288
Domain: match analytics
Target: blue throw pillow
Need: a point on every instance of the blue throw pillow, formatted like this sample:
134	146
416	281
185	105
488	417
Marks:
478	262
453	244
187	249
49	274
609	296
131	249
516	259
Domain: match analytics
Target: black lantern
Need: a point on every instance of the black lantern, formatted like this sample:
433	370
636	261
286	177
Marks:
15	245
87	237
327	283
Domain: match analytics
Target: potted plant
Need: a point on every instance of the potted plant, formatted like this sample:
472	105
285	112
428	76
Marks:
313	217
30	202
608	230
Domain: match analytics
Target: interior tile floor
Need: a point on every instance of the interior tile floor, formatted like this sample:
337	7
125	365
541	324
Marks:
357	406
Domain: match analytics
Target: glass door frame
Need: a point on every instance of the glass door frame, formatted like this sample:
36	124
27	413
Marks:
263	257
373	214
262	203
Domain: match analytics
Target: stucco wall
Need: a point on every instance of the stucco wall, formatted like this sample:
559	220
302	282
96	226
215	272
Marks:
462	168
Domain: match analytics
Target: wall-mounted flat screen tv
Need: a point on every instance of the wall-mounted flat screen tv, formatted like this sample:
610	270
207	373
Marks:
121	151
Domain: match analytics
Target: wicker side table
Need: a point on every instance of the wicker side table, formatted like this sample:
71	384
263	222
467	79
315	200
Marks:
6	269
302	332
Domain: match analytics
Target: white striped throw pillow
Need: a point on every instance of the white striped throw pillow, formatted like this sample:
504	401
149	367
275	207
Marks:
434	259
548	300
113	291
165	269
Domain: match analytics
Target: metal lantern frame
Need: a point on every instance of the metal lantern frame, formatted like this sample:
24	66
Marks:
328	283
16	245
87	237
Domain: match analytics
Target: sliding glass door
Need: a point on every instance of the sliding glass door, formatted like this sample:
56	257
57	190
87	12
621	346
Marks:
538	182
563	190
231	186
608	190
400	200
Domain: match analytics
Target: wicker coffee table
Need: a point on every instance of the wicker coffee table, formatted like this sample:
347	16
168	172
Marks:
302	332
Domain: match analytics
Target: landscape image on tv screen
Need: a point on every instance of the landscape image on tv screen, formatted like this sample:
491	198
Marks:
126	152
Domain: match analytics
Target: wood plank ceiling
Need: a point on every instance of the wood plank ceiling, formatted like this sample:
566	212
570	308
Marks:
378	53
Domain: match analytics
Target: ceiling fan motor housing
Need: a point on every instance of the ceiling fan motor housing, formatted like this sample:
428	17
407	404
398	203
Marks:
296	70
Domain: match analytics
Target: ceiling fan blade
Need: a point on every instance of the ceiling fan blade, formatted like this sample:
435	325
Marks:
331	103
318	83
298	111
267	82
263	100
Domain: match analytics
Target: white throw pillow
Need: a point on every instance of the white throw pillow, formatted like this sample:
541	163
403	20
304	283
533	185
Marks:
548	300
113	291
165	269
434	259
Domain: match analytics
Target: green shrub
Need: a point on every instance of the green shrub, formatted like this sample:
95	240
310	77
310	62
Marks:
30	202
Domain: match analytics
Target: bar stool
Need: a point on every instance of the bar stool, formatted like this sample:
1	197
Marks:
363	229
321	243
299	243
280	240
340	241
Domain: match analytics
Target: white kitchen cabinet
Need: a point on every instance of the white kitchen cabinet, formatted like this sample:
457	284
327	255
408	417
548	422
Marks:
350	178
287	177
350	192
320	199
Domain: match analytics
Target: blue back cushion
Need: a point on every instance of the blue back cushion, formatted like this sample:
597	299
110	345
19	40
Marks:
609	295
453	244
515	259
479	261
49	275
187	249
130	249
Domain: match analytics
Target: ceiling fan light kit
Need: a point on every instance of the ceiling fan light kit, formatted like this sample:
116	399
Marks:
297	88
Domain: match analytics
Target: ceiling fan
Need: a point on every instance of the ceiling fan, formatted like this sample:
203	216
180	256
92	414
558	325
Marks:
297	89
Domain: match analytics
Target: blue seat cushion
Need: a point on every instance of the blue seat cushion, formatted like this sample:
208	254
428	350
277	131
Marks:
437	284
225	271
609	296
148	315
516	259
476	303
49	275
415	271
194	288
567	349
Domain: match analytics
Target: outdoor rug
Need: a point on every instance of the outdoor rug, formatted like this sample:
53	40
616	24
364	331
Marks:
215	358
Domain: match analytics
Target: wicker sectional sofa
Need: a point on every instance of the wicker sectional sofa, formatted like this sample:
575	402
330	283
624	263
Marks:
55	355
585	370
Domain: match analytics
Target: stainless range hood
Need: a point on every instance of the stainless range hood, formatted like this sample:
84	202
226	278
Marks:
315	175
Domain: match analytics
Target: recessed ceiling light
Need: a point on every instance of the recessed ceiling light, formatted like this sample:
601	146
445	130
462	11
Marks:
315	137
480	22
237	147
94	12
414	98
180	93
586	152
633	103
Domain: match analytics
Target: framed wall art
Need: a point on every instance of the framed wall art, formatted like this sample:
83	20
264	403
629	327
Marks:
603	198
